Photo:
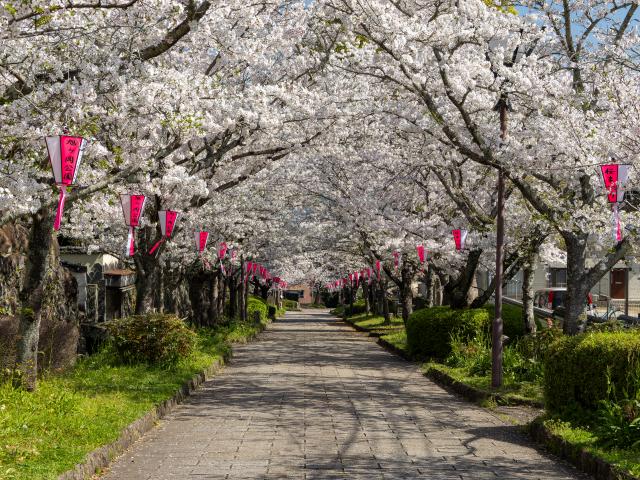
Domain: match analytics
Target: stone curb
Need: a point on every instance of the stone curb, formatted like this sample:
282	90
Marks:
101	457
583	460
393	349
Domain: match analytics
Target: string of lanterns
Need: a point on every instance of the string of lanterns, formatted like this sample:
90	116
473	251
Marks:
65	155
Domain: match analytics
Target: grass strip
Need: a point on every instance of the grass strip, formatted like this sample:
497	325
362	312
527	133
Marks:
49	431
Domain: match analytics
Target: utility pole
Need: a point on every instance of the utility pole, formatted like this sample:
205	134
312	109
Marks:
496	337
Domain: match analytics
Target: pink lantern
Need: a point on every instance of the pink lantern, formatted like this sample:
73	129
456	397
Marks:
615	179
421	253
201	239
356	275
132	208
168	219
222	252
396	259
617	229
459	237
378	269
65	155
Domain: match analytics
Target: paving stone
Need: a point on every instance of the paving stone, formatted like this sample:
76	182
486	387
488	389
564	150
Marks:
313	400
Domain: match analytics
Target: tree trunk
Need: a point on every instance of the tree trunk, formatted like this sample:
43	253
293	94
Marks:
385	303
245	302
148	272
233	297
365	294
242	294
42	261
351	295
406	294
577	289
458	290
214	293
224	283
429	284
264	291
198	296
528	275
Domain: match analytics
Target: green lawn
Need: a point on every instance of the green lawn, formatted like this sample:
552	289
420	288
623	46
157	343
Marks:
510	390
375	323
397	339
582	437
45	433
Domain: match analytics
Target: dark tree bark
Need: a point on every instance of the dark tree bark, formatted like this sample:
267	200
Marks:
406	294
233	296
458	290
385	302
365	294
42	261
264	291
528	274
429	284
242	292
199	296
214	293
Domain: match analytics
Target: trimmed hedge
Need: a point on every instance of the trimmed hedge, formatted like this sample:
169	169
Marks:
583	370
255	304
429	330
289	304
156	339
513	324
358	308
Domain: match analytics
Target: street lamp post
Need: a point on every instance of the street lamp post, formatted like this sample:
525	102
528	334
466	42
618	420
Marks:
496	337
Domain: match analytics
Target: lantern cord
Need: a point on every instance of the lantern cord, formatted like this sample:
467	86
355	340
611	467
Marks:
130	250
157	244
59	211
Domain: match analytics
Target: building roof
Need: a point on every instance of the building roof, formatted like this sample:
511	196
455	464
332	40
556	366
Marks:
119	272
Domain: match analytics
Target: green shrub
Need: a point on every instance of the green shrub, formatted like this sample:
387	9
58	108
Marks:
584	370
272	311
618	424
512	321
156	339
358	307
429	331
255	304
290	305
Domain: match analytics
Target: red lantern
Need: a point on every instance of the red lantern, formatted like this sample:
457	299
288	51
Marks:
396	259
168	219
201	239
421	253
614	178
132	208
459	237
65	155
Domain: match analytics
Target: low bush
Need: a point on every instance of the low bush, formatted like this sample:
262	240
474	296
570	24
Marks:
155	339
584	370
255	304
290	304
512	322
429	331
522	361
358	307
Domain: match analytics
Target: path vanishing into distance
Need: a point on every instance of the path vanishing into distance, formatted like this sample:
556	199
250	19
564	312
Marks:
312	399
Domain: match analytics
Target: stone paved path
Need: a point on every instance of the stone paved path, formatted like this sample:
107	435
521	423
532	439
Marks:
311	399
